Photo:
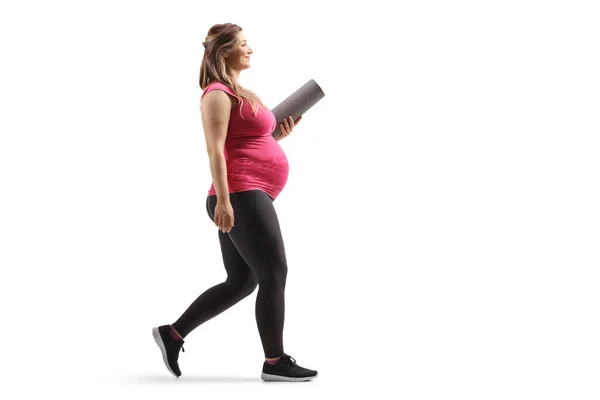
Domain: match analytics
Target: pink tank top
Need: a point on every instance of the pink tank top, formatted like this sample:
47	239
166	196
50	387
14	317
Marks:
253	157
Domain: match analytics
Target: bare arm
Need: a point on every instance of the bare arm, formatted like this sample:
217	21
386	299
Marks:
215	108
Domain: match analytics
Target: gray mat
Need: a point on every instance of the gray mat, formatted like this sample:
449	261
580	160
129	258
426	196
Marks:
297	104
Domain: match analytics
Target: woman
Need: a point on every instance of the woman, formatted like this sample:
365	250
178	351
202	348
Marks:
249	170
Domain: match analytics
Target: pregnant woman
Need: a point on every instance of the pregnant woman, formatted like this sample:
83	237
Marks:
249	170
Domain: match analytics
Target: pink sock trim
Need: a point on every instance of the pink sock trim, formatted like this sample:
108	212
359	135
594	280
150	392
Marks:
174	335
273	362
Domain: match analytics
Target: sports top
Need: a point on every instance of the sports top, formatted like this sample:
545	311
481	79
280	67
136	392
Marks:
253	157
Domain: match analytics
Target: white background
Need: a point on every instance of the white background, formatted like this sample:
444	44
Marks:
441	216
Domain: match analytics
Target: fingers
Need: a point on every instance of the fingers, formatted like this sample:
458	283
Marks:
287	127
284	133
224	224
225	228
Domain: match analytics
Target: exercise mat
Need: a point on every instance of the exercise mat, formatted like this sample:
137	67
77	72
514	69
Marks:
297	104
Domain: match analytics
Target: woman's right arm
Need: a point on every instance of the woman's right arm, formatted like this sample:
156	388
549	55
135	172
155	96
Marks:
215	108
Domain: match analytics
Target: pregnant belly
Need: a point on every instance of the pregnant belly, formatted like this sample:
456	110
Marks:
271	173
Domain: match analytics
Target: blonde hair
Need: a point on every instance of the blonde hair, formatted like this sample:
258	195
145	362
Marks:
220	39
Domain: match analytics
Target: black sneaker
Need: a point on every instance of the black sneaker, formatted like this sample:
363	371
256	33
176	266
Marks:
286	370
168	347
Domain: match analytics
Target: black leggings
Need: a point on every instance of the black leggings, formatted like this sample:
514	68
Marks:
253	254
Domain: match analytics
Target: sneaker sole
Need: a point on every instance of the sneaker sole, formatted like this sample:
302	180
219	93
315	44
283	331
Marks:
279	378
162	348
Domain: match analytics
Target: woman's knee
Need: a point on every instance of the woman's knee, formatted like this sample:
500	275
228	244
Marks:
276	275
243	285
250	284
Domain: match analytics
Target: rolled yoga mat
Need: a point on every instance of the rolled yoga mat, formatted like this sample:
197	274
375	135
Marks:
297	104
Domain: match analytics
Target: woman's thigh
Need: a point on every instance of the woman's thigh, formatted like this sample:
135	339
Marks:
256	233
235	265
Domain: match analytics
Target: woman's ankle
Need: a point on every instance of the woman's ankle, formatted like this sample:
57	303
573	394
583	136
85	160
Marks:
272	361
174	334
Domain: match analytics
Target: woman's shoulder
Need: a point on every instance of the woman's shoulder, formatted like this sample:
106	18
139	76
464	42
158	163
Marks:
216	85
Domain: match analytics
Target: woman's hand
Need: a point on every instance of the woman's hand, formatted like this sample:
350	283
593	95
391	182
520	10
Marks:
224	216
286	128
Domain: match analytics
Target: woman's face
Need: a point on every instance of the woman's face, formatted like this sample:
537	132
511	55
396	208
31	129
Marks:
239	56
